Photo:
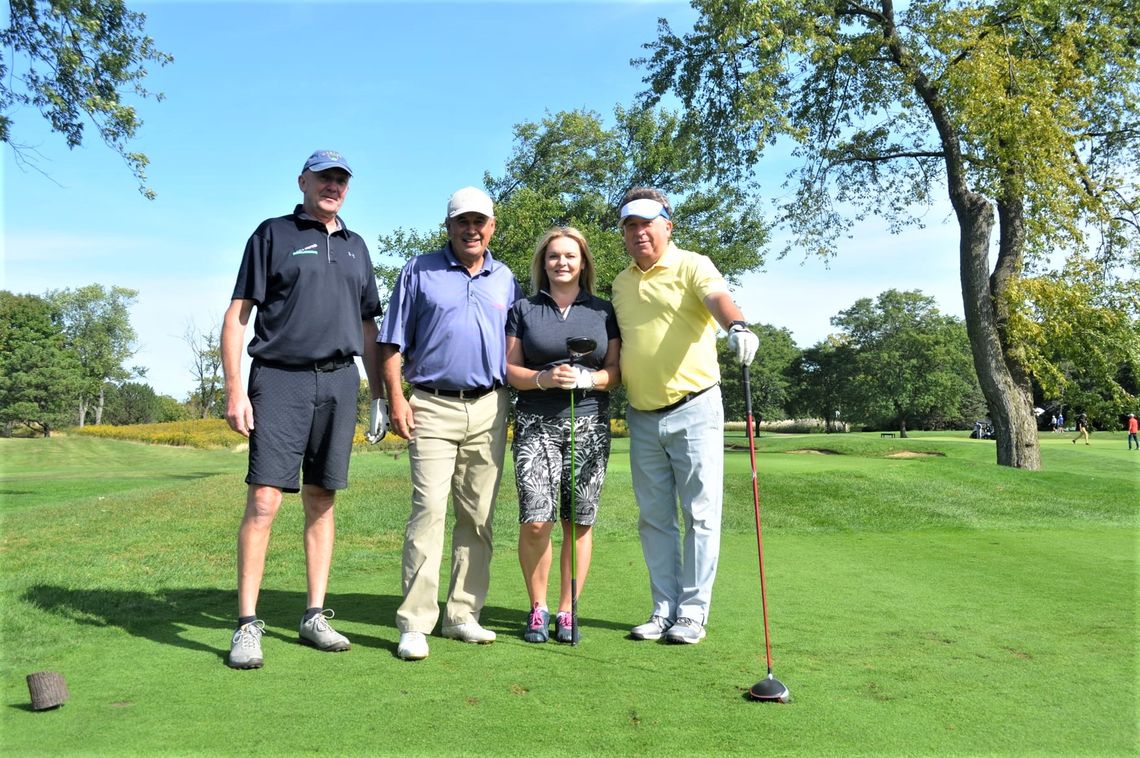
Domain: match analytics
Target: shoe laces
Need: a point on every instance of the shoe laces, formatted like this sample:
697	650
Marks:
685	621
536	621
564	620
321	620
249	635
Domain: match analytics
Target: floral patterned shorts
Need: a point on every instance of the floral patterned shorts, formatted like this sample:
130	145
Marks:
542	466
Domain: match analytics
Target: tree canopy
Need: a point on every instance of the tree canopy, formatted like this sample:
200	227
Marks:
96	324
570	169
1023	113
73	61
909	362
39	376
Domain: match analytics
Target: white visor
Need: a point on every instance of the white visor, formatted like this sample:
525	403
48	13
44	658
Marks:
646	208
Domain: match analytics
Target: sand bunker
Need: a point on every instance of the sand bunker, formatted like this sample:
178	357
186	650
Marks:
815	451
915	454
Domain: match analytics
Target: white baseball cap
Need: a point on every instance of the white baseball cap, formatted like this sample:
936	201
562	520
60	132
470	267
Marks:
470	200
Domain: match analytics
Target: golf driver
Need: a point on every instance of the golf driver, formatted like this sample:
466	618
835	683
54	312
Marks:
770	688
577	347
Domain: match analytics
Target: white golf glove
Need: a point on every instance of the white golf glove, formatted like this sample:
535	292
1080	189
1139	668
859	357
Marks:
377	421
585	378
743	342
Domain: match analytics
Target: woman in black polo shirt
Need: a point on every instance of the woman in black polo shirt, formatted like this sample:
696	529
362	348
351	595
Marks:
539	367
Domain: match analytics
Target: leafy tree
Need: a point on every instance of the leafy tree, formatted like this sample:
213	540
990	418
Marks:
820	380
73	60
767	376
132	403
1024	114
97	326
911	363
571	170
206	367
1079	333
39	376
170	409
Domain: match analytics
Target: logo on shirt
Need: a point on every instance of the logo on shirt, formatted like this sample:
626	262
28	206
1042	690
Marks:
310	250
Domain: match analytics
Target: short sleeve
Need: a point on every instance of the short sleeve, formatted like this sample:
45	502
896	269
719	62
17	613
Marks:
704	278
515	326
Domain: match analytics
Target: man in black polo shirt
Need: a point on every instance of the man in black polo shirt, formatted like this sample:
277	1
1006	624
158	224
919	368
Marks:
312	283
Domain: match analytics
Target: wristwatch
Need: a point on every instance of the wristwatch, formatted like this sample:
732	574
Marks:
737	326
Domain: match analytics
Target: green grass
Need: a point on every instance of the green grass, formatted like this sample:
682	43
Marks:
919	606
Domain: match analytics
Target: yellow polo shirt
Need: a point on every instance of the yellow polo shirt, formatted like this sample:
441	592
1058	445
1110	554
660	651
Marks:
668	336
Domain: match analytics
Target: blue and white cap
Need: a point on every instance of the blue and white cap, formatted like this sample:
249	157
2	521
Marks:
646	208
326	159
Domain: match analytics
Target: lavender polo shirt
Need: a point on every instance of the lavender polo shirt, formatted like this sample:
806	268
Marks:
448	325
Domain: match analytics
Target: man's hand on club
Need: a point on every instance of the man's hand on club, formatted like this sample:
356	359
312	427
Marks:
377	421
744	343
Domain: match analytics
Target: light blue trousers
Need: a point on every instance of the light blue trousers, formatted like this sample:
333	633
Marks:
677	460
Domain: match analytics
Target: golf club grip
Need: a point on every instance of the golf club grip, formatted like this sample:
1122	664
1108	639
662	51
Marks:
747	389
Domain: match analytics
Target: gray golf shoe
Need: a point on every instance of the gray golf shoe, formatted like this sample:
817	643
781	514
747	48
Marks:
686	631
652	629
317	632
245	647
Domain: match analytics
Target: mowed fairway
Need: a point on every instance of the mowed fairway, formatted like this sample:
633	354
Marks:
925	605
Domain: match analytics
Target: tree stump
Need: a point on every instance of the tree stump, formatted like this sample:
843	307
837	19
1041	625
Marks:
48	690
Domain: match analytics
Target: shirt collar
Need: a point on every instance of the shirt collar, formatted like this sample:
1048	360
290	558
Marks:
303	215
583	296
489	262
667	259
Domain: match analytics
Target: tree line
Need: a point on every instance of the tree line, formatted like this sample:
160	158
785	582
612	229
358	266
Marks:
893	362
64	361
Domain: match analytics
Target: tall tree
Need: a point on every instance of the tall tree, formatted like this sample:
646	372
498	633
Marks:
39	376
73	60
821	381
97	325
206	368
1023	113
911	363
570	169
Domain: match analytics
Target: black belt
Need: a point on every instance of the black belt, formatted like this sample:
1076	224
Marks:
471	394
329	364
685	399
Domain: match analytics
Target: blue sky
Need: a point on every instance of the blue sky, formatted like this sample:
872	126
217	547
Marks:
421	98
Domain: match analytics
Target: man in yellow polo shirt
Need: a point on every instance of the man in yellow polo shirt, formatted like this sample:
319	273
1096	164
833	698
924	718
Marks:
669	303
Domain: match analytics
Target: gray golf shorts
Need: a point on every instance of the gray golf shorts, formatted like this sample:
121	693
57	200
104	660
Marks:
541	450
303	425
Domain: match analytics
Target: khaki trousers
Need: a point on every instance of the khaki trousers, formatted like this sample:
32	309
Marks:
457	448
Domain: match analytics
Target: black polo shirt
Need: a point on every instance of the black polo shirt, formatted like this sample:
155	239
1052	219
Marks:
543	331
312	290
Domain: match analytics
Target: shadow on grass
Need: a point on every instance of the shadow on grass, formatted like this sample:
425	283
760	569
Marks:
165	616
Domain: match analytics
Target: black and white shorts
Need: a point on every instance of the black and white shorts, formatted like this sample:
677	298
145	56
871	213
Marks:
542	466
303	421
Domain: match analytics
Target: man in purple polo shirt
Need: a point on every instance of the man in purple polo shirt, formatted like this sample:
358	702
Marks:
446	321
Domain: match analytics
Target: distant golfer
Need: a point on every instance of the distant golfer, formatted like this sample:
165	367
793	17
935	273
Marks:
445	327
1082	428
1132	428
669	303
538	366
312	283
